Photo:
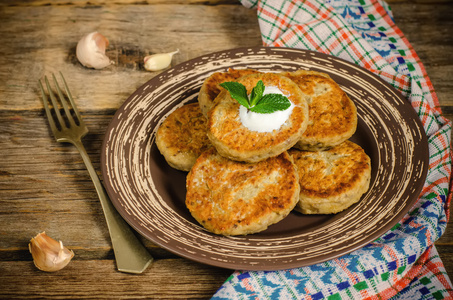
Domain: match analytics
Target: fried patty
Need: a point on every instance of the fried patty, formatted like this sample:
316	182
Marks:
332	115
211	87
235	198
181	137
331	180
235	141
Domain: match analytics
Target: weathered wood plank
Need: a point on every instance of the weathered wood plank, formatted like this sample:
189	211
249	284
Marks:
153	2
35	200
131	39
46	187
49	36
116	2
99	279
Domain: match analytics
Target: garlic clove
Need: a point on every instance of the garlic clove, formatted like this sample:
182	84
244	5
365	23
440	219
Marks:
159	61
48	254
90	51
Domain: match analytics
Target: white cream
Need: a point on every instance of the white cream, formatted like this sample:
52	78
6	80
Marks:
265	122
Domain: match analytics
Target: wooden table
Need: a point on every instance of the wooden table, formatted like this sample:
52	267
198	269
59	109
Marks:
44	185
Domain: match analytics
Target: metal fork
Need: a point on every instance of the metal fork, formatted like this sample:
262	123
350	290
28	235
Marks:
67	126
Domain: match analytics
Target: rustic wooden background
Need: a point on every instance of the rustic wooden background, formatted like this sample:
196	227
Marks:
45	186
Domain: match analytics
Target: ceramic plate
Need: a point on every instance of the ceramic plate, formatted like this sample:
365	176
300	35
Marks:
150	195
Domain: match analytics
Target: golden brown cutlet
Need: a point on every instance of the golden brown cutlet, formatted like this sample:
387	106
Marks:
235	141
331	180
181	137
235	198
211	86
332	115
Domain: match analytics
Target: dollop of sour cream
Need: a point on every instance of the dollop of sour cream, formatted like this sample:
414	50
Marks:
265	122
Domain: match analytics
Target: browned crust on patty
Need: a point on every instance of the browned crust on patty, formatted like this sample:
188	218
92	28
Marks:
181	138
331	180
332	115
235	141
234	198
211	87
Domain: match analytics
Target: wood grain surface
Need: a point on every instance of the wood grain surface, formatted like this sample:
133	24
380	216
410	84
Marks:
44	185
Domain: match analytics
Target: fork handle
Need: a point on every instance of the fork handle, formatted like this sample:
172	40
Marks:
130	254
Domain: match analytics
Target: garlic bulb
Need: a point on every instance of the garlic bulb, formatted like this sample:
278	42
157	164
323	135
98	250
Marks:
159	61
91	51
48	254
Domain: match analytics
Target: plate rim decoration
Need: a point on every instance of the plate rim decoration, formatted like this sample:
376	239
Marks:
149	195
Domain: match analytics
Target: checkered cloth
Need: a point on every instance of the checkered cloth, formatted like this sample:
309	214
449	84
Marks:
403	263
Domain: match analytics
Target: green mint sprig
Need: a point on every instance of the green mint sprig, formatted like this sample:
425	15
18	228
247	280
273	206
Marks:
258	103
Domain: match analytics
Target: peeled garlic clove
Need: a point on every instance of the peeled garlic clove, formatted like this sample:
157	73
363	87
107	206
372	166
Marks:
159	61
91	51
48	254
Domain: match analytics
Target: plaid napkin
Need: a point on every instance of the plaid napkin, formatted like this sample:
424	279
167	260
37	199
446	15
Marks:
404	262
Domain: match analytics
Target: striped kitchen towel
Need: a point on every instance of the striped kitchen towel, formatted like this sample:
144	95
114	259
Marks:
403	263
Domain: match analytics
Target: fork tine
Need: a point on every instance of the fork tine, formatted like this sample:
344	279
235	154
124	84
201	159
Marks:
71	100
64	102
45	101
55	104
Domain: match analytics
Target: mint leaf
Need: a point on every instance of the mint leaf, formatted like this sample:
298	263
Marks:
258	103
270	103
257	93
237	91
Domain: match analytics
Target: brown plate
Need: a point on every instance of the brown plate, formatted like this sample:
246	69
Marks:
150	195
